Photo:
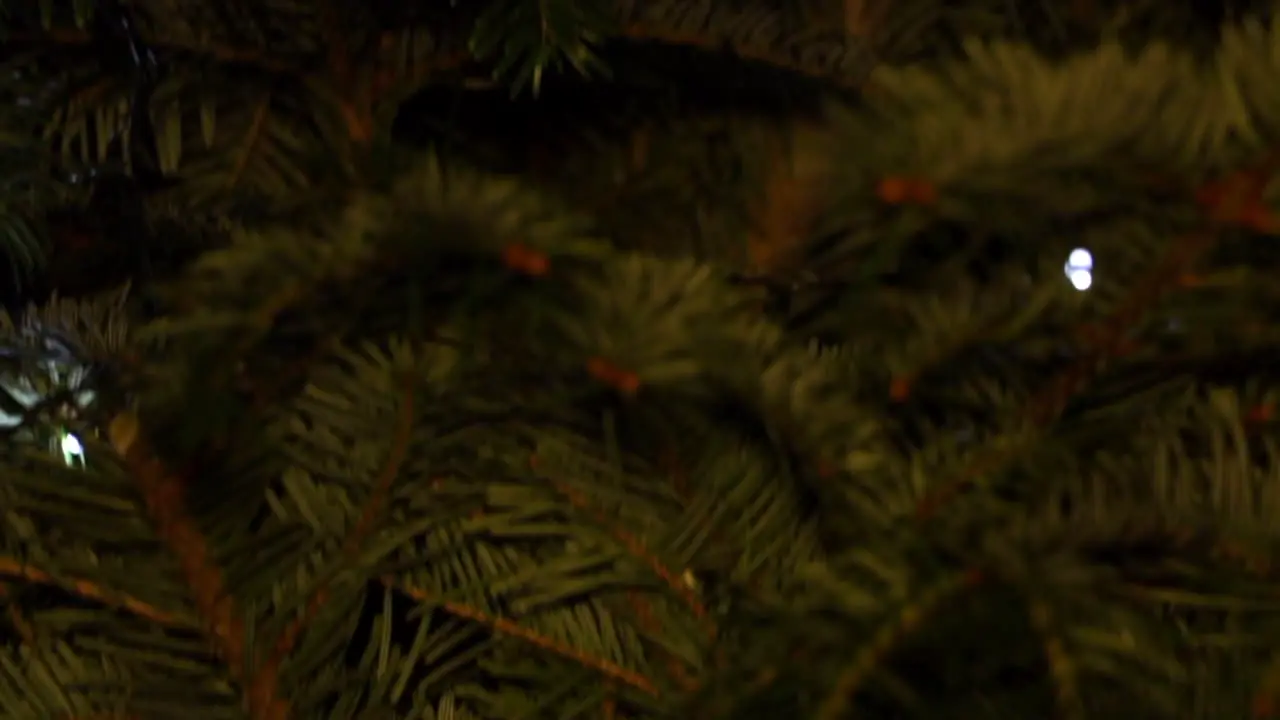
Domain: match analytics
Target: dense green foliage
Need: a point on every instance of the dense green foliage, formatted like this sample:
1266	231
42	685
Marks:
599	359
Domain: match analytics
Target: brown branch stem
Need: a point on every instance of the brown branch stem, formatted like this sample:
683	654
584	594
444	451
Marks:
164	495
511	628
354	541
88	590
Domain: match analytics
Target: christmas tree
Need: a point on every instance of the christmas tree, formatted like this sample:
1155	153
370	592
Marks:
602	359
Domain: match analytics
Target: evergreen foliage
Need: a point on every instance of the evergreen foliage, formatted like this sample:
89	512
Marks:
607	359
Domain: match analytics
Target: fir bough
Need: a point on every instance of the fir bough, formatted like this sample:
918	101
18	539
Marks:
419	438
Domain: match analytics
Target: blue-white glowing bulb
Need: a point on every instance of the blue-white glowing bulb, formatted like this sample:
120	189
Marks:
72	450
1079	268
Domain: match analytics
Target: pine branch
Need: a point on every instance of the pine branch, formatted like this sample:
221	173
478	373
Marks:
907	621
790	203
863	17
675	580
1061	666
511	628
356	110
90	591
640	32
1234	202
256	58
164	495
579	564
343	62
354	541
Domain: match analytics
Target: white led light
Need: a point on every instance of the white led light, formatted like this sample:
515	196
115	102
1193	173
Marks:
72	450
71	445
1079	268
1080	259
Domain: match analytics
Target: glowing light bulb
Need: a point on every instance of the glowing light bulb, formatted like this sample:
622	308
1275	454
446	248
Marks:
71	445
1080	258
72	449
1079	268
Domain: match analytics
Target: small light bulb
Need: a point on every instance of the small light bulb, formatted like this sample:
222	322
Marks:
1080	259
72	450
71	445
1081	279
